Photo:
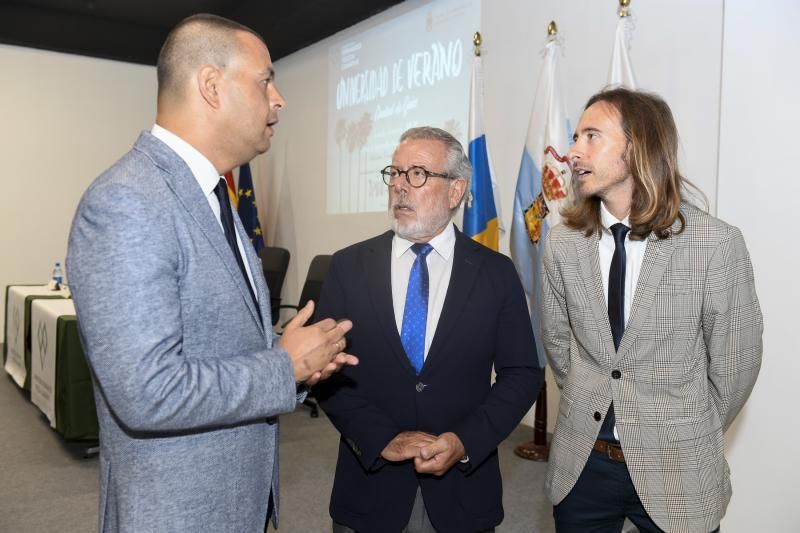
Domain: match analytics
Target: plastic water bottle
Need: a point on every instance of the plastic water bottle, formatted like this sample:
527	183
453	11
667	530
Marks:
58	274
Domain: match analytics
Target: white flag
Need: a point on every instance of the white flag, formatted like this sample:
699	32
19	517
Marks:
542	183
620	73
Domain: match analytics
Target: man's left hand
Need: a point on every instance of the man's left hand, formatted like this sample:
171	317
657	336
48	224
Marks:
439	456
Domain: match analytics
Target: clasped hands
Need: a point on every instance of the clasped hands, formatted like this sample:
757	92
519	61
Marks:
431	454
316	351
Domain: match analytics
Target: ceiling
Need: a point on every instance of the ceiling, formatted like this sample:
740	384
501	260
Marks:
133	30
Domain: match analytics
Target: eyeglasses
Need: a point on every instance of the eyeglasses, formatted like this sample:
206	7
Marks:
415	176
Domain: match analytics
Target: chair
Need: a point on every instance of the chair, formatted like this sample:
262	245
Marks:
312	288
275	263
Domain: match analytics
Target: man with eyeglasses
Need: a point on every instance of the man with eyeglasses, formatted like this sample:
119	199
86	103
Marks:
420	419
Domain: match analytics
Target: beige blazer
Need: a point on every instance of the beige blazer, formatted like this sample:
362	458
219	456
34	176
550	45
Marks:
687	363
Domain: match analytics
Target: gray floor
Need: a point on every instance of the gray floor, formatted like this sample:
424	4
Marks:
46	485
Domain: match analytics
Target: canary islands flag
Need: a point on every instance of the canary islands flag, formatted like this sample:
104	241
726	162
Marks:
248	210
542	183
481	214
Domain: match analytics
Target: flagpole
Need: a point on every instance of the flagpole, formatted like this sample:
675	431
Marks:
539	448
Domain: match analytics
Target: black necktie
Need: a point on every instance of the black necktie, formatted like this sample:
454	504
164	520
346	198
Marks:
226	216
616	311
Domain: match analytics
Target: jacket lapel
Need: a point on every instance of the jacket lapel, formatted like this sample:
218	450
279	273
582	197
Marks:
183	184
376	263
466	265
656	258
261	289
589	261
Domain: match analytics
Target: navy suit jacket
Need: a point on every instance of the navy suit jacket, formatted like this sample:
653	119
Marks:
484	322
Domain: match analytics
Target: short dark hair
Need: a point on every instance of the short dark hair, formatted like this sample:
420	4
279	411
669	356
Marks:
198	39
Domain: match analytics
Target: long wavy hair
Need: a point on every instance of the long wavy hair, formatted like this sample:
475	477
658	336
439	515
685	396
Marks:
652	158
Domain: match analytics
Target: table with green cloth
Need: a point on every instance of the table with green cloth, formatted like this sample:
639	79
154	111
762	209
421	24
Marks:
61	385
17	344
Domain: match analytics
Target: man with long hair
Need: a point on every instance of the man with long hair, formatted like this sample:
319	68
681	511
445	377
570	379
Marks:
652	327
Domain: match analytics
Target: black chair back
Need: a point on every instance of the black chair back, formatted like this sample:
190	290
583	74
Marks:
275	263
312	288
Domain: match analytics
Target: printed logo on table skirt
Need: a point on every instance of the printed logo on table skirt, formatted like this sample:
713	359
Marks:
17	325
41	336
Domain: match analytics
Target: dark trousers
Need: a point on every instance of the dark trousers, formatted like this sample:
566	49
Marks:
601	499
417	523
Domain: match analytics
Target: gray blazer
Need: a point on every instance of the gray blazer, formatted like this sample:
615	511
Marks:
688	361
187	382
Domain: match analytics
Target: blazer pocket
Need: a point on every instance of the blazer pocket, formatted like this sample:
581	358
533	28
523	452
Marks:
693	428
697	446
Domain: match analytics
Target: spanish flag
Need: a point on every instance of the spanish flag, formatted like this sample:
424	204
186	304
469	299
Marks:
231	188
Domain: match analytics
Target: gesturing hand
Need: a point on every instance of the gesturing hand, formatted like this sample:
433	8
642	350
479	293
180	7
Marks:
316	351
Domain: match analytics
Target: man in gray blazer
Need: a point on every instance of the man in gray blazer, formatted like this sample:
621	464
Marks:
652	327
173	307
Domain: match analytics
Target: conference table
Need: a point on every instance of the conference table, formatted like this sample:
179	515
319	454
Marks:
54	366
17	343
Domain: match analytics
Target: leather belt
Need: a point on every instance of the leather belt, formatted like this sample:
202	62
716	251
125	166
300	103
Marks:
612	451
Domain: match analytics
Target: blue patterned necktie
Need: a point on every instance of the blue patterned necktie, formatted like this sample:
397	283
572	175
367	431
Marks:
415	314
616	311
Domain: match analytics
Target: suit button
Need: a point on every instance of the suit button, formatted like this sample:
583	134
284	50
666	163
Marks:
597	416
616	374
420	387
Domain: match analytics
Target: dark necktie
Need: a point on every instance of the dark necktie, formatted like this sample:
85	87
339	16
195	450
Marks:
415	314
226	217
616	311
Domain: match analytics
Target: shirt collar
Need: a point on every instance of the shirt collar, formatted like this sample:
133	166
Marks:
608	220
202	169
443	244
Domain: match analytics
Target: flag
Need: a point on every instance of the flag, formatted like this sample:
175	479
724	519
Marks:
620	73
248	210
542	183
231	188
482	222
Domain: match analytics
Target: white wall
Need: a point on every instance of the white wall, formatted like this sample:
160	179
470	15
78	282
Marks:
65	119
759	191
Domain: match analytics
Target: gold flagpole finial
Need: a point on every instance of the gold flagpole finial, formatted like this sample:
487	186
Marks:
476	41
552	29
624	8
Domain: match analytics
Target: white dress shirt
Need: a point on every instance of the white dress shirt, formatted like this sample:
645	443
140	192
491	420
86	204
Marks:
440	266
634	257
207	177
